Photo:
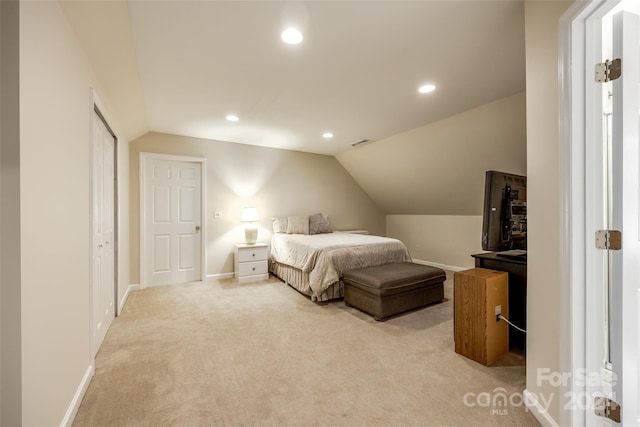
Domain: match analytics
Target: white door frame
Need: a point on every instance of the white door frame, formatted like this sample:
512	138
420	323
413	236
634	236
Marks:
96	105
144	159
572	201
575	28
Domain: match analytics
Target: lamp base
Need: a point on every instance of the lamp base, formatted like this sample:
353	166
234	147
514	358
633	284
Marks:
250	234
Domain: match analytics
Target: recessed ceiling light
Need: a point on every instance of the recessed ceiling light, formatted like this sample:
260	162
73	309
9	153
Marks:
427	88
327	135
291	36
233	118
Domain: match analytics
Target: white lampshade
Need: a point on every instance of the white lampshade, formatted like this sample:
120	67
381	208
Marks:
250	215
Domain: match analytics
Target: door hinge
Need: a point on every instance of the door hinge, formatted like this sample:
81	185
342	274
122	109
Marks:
609	239
608	70
605	407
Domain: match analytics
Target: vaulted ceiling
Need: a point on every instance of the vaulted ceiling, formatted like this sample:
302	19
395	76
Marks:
180	67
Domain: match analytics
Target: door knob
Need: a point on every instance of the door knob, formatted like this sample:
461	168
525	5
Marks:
197	228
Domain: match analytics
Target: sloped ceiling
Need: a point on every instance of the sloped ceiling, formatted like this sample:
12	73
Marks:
439	168
179	67
104	31
355	74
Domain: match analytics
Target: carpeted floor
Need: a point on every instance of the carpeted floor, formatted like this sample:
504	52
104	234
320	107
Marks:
261	354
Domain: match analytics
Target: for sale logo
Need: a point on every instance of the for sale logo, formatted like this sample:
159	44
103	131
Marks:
582	379
498	401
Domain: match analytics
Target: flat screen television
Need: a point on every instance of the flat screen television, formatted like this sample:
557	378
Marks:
504	219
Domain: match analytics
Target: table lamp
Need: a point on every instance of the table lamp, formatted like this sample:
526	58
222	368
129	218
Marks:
249	216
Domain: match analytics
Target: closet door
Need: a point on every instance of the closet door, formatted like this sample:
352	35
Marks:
103	243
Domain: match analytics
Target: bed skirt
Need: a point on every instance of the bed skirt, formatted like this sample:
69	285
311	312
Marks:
299	280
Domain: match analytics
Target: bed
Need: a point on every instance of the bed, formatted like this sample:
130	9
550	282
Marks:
313	263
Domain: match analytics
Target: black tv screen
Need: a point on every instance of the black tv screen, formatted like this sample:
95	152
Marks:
504	219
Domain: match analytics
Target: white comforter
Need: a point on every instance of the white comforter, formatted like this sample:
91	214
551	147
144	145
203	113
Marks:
326	256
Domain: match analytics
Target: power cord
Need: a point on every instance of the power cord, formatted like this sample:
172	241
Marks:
500	316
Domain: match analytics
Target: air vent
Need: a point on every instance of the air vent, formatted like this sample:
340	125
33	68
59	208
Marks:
361	142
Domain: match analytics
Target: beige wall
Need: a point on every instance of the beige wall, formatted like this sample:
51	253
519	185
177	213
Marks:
55	81
438	169
10	320
277	182
447	241
543	197
124	232
430	180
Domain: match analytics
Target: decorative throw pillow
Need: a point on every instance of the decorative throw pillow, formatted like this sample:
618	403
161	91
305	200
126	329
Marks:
279	225
298	225
318	224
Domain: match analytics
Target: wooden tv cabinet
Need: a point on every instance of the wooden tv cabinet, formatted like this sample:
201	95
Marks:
478	334
517	269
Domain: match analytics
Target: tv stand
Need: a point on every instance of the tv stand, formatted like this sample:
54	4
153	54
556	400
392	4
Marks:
520	253
516	266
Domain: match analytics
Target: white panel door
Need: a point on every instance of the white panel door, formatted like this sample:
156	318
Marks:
171	224
625	264
103	248
613	278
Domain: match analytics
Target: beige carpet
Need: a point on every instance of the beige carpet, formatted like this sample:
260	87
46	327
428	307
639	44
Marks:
261	354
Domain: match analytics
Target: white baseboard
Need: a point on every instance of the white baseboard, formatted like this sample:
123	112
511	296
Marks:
77	398
220	276
442	266
123	300
537	410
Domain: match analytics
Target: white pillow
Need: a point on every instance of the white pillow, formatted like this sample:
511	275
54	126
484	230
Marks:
298	225
279	225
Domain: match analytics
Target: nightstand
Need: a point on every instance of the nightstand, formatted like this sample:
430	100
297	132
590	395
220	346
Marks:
251	262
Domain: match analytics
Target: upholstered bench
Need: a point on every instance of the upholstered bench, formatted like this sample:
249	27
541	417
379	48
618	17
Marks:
390	289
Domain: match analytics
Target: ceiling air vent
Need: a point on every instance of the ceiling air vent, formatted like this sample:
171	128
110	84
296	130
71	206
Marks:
361	142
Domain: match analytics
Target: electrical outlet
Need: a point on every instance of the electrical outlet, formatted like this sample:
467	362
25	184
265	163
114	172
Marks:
217	214
498	312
